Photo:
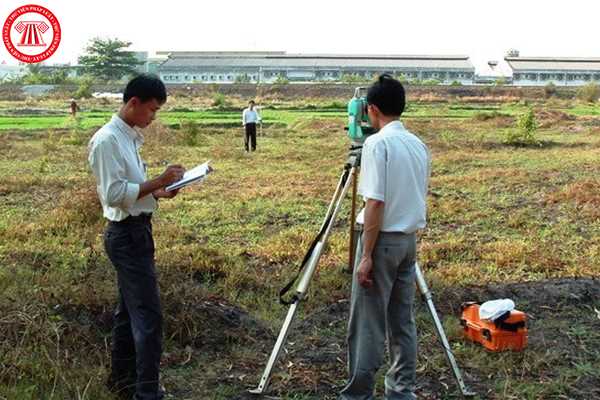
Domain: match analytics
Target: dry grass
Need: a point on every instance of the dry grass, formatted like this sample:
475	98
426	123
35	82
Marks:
584	195
496	214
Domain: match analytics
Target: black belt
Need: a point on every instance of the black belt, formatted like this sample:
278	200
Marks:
143	218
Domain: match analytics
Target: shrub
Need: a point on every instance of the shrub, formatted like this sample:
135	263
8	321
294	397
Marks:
353	78
84	90
78	134
550	90
219	100
431	82
245	78
525	134
282	80
485	116
456	83
336	105
190	132
589	92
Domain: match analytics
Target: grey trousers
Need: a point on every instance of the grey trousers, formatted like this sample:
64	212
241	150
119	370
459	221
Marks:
384	311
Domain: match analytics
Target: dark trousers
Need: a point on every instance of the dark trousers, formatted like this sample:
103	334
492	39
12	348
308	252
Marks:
250	142
137	329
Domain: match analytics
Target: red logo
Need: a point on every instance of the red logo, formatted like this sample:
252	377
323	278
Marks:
31	33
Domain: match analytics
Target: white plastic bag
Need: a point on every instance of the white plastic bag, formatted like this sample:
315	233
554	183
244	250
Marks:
493	309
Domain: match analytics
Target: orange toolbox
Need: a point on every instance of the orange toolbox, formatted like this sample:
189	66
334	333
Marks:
509	332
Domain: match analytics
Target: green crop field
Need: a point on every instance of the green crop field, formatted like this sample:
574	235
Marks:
519	221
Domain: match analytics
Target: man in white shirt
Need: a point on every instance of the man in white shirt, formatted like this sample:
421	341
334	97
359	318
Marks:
250	118
128	200
395	168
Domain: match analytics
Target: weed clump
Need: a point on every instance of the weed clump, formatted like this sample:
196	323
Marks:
525	134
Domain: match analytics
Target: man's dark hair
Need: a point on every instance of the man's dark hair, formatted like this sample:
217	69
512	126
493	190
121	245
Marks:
145	87
388	95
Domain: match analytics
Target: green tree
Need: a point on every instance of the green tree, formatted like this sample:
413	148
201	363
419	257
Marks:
37	74
107	60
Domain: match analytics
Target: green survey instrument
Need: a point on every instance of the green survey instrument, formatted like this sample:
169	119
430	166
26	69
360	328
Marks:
359	128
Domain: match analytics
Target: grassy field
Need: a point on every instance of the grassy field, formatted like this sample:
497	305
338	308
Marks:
516	221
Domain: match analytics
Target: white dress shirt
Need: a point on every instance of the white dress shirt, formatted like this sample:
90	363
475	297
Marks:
395	169
250	116
115	161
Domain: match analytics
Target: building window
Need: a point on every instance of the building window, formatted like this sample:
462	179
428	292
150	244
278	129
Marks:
203	77
229	77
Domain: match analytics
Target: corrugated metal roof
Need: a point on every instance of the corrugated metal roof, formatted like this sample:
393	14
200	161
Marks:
218	53
553	64
179	60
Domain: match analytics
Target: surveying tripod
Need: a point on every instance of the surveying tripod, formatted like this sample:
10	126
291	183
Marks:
311	260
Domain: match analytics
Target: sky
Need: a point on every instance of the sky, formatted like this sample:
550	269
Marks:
484	30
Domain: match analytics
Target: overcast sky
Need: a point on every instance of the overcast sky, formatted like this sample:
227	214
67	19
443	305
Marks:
483	30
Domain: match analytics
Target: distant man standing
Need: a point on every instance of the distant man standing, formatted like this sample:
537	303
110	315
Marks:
128	200
395	169
74	108
250	118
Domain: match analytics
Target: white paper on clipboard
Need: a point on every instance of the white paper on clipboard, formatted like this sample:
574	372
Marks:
194	175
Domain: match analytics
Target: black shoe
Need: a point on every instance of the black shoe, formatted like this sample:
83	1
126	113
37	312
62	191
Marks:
123	388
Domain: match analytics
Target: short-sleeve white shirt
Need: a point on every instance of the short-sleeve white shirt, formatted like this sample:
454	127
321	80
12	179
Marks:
395	169
250	116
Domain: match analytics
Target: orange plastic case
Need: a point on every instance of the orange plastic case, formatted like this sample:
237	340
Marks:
509	332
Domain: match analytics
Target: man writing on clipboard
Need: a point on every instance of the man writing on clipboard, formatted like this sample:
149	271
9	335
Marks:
128	200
